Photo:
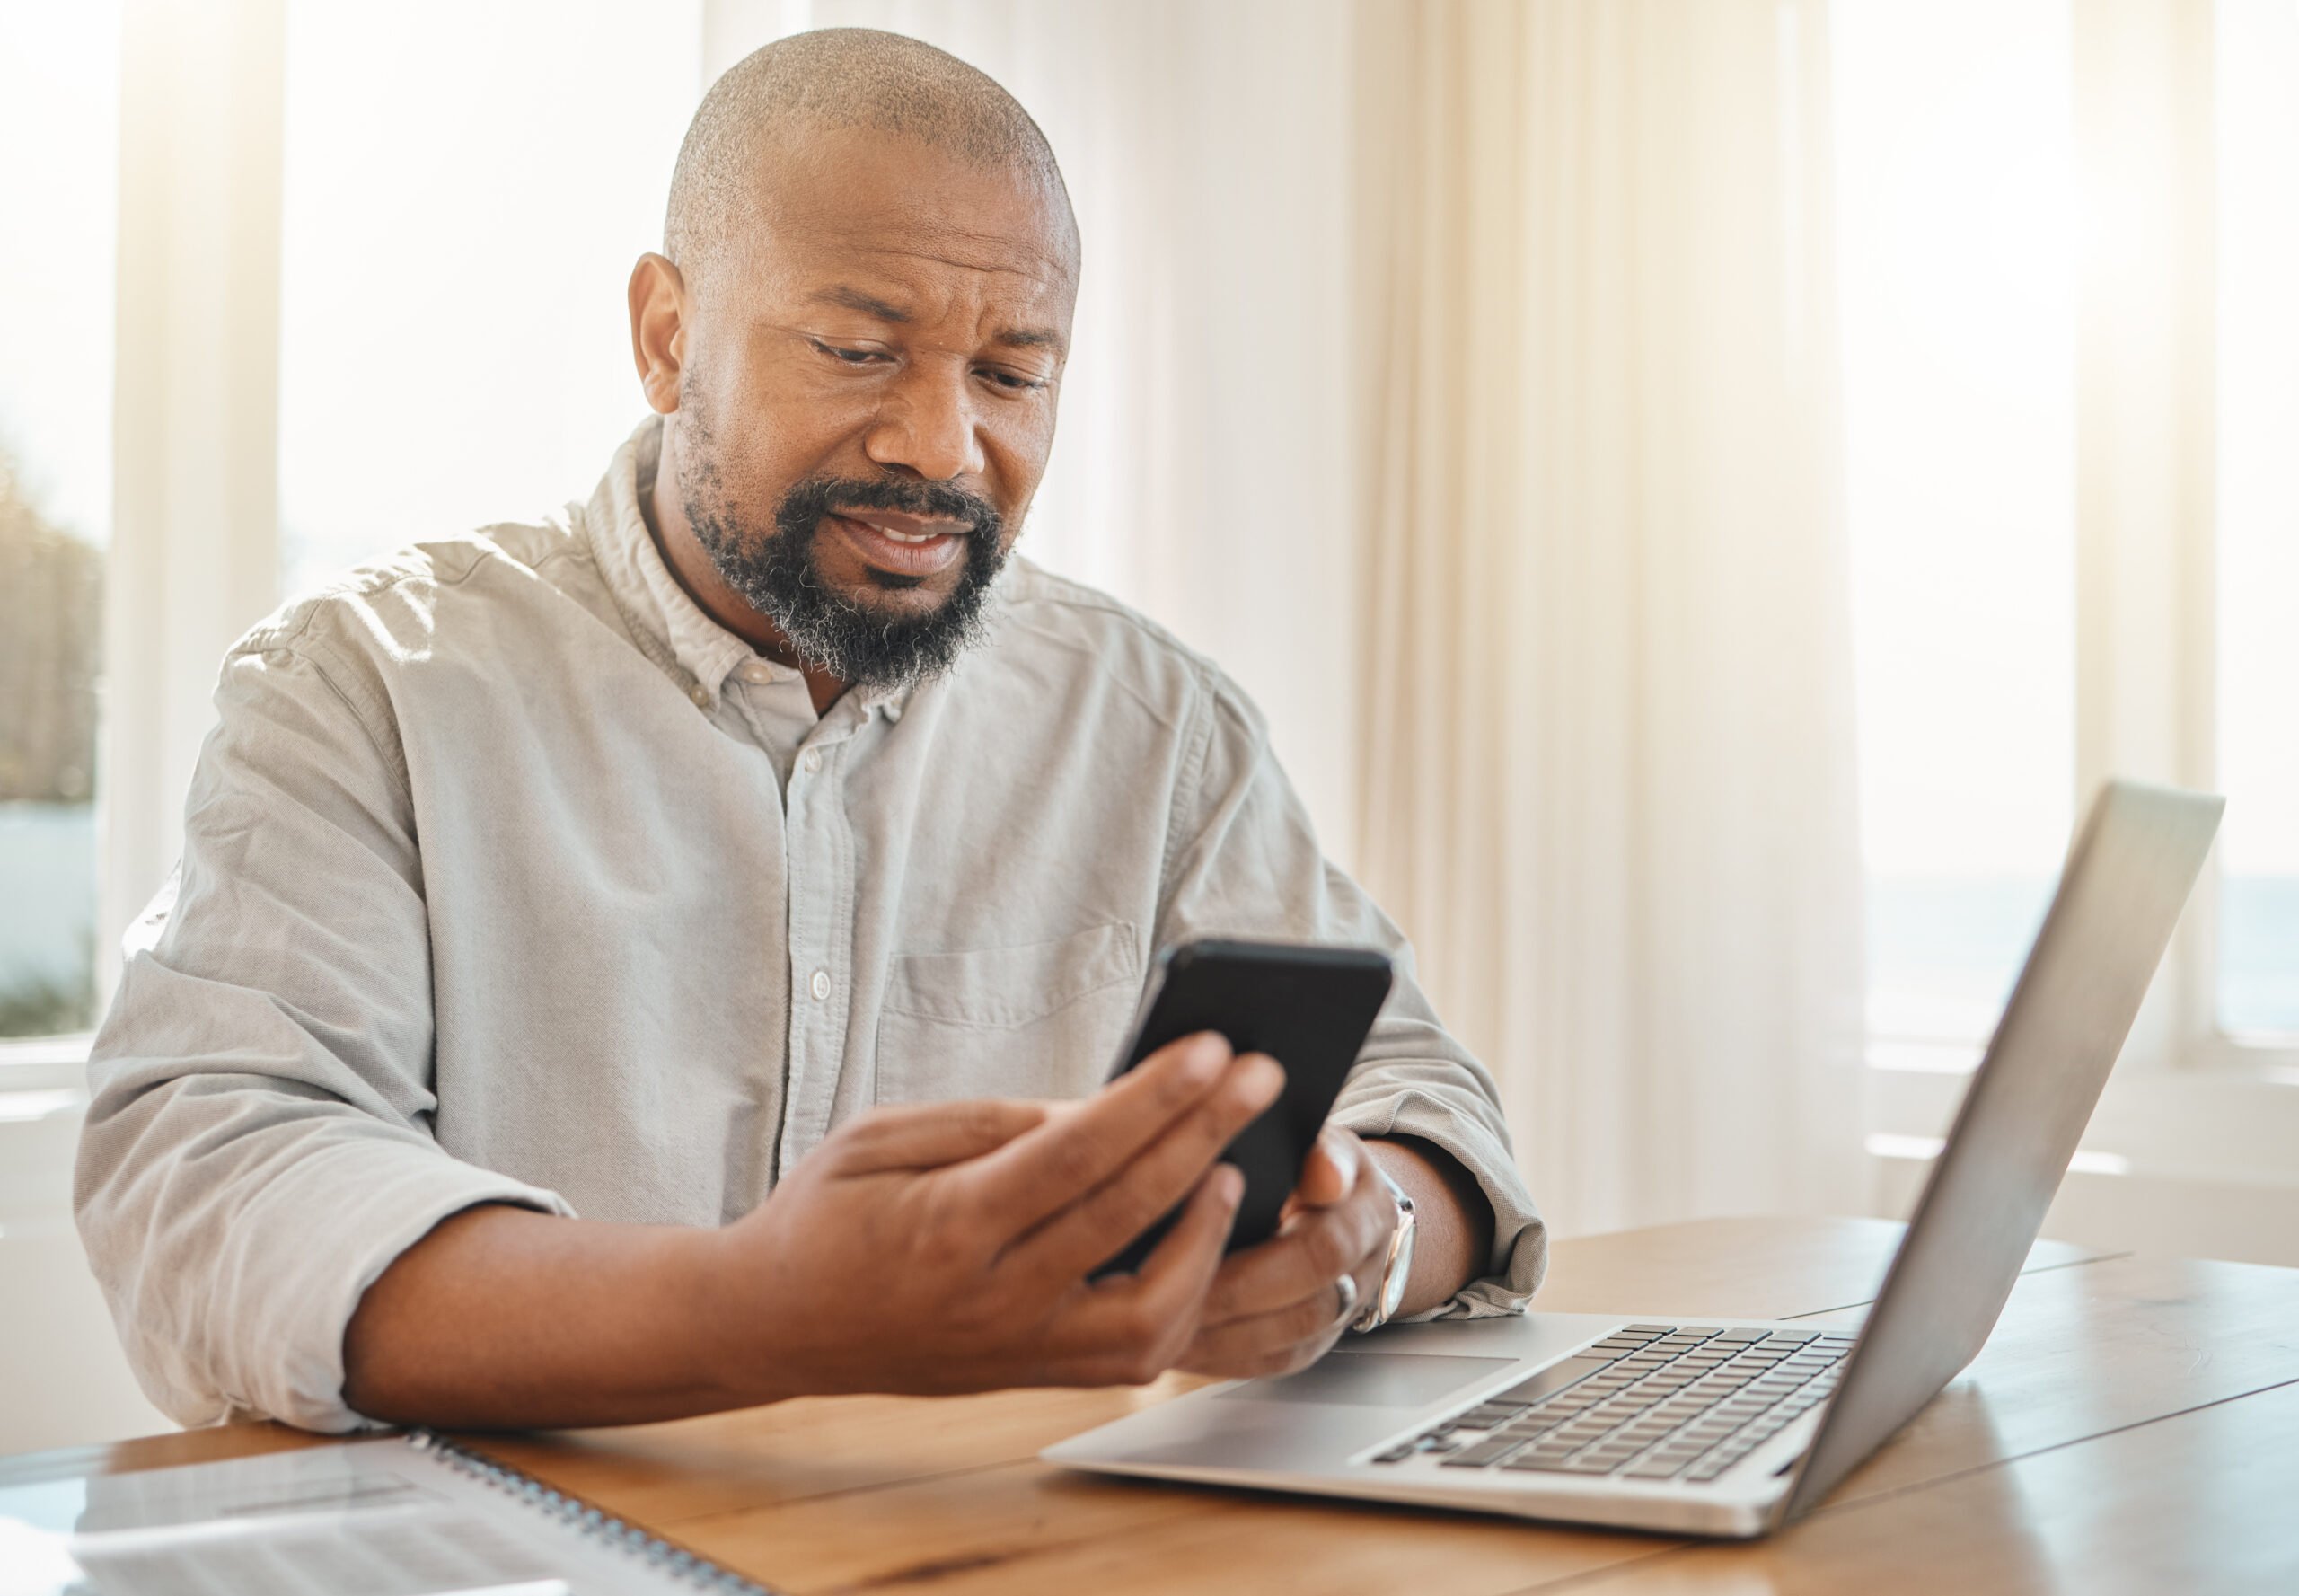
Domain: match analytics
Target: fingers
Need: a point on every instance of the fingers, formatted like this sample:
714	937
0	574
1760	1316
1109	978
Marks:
1278	1343
1091	1228
1041	1172
1131	1329
930	1135
1074	1154
1299	1264
1179	1271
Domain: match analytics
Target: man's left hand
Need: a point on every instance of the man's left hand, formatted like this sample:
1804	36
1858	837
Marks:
1278	1307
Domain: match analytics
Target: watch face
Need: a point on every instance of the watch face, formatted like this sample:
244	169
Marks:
1400	1269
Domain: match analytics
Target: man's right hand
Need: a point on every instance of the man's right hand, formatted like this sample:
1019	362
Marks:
928	1247
941	1248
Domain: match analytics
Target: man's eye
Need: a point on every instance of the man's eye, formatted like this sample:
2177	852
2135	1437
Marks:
1014	381
851	357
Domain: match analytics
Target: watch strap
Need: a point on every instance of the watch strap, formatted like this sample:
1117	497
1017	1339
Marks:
1382	1302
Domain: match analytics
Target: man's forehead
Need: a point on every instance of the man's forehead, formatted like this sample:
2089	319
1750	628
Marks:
851	244
864	191
913	265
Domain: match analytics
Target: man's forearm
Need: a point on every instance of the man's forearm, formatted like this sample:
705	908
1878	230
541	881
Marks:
925	1247
503	1317
1452	1222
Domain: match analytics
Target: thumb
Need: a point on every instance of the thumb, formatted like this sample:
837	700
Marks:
1330	1172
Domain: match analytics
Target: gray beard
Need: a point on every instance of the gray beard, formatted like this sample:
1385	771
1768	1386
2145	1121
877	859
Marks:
840	634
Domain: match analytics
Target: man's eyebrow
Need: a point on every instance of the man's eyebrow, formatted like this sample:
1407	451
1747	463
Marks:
1030	337
854	299
870	304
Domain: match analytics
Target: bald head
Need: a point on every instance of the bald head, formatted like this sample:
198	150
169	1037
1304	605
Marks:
758	114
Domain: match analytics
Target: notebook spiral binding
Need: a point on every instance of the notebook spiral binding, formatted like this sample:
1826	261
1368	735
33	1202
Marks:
585	1519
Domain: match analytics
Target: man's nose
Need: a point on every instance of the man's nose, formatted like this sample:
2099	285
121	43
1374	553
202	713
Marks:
927	425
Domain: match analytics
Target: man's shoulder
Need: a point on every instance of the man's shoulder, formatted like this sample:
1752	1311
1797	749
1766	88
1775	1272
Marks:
392	605
1042	614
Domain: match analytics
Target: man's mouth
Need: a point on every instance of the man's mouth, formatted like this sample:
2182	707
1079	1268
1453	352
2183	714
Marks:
905	545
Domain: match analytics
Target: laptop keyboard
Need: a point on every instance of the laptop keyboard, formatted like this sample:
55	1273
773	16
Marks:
1648	1402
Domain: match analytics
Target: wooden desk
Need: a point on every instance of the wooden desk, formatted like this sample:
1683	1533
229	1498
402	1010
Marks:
2133	1424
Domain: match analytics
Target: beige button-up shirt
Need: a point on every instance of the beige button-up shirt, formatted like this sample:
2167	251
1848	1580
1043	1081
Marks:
509	876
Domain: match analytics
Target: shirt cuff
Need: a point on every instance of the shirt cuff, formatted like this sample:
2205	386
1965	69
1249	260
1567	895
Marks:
1519	1256
301	1283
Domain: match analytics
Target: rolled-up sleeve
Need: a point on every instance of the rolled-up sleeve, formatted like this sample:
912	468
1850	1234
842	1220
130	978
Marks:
257	1146
1244	862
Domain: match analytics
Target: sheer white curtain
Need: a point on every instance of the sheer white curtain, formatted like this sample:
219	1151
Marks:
1607	768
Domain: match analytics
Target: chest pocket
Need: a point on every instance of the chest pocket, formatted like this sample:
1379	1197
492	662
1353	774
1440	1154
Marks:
1041	1021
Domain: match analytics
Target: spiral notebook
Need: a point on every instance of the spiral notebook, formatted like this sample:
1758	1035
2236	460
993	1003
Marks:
412	1515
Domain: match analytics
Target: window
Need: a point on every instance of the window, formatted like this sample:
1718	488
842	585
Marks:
59	73
2066	240
1953	206
1960	235
2258	665
453	347
417	184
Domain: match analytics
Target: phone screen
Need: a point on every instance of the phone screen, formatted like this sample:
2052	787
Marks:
1311	1008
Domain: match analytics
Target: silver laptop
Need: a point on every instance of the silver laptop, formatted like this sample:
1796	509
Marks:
1719	1426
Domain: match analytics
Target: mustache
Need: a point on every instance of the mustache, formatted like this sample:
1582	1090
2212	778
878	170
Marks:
809	499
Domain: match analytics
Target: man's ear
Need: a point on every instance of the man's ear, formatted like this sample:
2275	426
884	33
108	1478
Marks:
658	330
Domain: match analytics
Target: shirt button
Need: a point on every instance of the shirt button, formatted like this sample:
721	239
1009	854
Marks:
756	670
812	762
700	695
820	986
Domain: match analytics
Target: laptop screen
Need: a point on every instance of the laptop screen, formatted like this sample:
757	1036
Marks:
2129	873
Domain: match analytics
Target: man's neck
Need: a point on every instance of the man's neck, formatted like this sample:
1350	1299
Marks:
691	566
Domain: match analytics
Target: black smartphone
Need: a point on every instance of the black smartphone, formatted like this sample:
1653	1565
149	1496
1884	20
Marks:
1309	1008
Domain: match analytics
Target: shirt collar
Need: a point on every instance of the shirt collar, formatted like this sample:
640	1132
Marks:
670	627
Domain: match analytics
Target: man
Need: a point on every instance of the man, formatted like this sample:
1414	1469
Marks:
761	866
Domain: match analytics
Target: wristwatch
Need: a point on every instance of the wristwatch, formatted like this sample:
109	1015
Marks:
1383	1304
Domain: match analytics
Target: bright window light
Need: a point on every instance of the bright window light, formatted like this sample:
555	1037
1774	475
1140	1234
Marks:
2258	117
59	128
1884	1144
467	188
1954	189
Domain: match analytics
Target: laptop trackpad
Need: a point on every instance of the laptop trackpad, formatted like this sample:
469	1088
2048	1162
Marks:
1372	1380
